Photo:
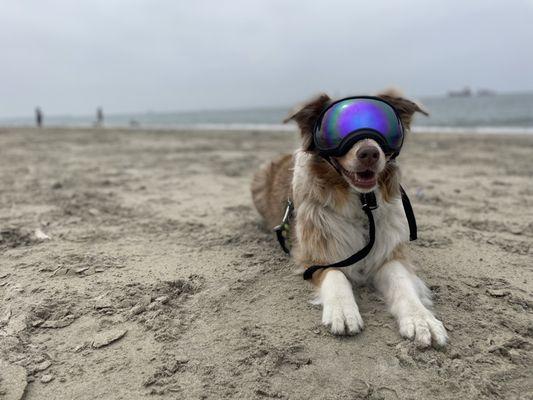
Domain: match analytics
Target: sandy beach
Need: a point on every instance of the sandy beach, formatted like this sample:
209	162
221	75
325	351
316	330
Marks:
133	265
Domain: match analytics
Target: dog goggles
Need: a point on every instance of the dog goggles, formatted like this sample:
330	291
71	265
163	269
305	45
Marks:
349	120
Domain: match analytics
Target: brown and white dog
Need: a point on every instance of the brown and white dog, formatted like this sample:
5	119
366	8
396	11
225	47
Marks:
329	225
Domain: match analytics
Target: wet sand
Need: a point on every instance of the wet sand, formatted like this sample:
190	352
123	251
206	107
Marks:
133	264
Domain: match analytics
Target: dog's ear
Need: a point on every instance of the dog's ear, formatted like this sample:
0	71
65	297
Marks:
306	117
405	108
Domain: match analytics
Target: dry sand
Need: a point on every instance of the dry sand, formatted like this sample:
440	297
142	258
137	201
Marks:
133	265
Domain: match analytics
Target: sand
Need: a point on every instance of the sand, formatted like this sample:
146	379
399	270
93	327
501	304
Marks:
133	265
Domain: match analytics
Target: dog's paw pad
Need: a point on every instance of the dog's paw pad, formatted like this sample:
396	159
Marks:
424	329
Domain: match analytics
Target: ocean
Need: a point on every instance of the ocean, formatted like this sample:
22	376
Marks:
498	113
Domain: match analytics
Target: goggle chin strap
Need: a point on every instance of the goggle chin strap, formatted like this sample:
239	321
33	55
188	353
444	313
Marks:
368	203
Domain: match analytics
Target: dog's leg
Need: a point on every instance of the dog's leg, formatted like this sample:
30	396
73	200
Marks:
340	312
407	298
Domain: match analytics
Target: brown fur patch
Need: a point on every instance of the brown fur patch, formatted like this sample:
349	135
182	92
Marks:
389	181
271	186
330	183
400	253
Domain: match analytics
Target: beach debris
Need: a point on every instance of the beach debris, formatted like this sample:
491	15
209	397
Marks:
47	378
81	270
40	235
14	381
58	323
108	337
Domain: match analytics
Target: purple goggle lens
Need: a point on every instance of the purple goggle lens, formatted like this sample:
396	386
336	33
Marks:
349	120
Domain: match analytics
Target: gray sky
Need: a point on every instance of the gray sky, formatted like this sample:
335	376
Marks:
126	55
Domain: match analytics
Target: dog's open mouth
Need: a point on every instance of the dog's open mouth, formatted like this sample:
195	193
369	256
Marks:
366	179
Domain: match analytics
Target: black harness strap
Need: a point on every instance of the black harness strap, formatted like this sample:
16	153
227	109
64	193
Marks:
369	203
368	200
409	214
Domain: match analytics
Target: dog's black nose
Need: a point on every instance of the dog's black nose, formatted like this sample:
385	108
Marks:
368	154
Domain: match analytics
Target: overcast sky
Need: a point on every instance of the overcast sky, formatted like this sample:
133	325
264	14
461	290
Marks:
70	56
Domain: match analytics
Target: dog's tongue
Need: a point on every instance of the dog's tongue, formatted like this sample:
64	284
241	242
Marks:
365	175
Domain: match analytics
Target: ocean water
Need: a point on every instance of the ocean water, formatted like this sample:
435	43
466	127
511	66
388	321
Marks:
501	113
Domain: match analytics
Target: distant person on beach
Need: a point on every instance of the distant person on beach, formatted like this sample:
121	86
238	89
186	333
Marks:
99	117
38	117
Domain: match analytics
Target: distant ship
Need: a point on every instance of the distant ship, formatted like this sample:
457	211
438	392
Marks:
486	92
466	92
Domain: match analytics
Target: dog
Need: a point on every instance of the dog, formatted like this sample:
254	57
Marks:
329	225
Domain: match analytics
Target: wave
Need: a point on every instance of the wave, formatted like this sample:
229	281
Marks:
267	127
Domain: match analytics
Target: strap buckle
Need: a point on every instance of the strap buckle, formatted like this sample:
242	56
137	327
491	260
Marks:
283	229
368	200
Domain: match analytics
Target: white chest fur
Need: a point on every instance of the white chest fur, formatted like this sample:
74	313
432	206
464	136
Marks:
345	229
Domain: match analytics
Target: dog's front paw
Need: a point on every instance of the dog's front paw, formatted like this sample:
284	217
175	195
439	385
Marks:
423	328
342	316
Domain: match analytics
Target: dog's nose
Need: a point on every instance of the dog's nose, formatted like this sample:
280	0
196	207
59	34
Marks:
368	155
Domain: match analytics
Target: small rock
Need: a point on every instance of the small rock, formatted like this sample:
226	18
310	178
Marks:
162	299
40	235
106	338
42	366
80	347
102	302
137	309
497	292
80	270
93	211
248	255
57	185
47	378
316	331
